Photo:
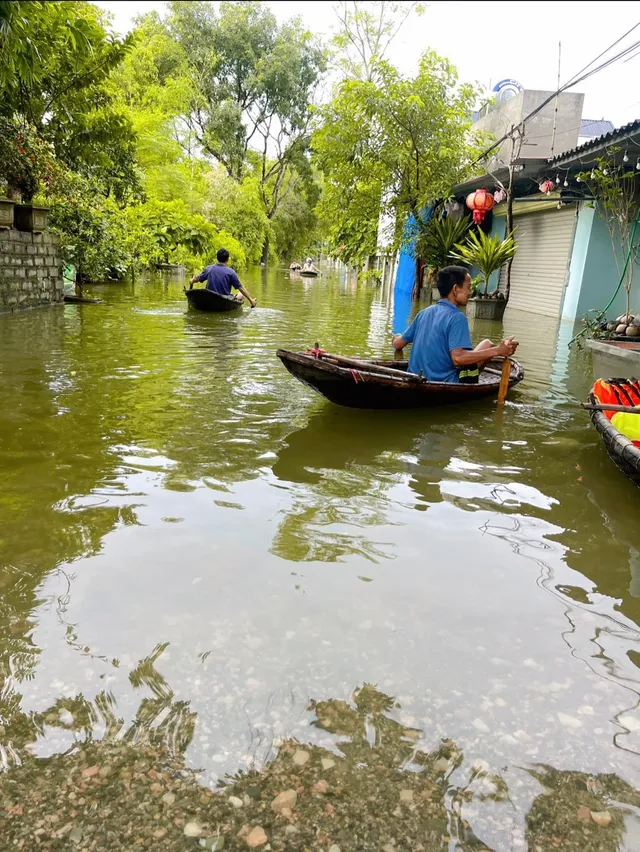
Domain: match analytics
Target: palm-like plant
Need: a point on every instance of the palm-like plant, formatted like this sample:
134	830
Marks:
438	238
485	253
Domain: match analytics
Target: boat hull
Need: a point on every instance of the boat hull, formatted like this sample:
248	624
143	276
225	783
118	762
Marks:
620	450
206	300
358	388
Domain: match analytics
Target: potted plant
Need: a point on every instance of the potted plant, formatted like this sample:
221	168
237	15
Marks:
435	242
487	254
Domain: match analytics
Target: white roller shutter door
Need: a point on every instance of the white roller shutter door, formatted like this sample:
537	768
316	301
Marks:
541	265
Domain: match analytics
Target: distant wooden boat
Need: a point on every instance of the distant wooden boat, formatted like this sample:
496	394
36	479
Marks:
308	273
371	383
622	452
206	300
80	300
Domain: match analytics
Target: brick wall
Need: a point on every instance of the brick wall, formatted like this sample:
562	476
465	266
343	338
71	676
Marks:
30	270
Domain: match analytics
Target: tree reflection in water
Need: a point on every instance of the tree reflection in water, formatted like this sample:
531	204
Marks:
369	786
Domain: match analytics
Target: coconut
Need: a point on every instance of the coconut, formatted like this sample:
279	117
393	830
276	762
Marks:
633	331
636	321
621	329
624	319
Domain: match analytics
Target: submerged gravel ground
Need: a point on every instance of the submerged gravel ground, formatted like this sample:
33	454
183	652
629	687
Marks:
375	792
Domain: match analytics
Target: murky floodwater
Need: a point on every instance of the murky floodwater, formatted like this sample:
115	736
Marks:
207	570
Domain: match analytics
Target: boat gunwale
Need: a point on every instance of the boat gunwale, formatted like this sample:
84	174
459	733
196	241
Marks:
403	379
233	303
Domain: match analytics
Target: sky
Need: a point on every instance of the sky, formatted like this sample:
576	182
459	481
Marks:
491	41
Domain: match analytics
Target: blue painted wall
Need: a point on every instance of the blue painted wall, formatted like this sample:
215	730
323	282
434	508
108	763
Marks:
593	275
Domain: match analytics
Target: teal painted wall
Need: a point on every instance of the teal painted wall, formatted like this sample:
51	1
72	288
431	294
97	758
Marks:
578	262
593	275
498	226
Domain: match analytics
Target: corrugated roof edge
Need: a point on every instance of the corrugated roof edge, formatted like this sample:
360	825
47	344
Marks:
618	133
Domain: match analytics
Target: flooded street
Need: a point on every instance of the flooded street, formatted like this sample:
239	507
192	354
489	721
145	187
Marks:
208	571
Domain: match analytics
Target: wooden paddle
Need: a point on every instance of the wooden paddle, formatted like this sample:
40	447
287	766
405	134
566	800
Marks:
504	381
590	406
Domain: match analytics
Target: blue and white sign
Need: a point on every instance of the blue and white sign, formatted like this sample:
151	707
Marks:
506	89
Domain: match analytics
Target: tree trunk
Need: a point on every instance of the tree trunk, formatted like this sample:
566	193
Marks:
417	287
265	251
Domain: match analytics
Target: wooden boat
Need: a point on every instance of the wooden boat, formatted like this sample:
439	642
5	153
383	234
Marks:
308	273
80	300
370	383
206	300
622	452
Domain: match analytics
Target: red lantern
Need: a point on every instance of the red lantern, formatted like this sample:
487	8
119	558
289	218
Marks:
480	201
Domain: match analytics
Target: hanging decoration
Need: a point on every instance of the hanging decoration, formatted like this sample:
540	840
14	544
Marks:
499	195
547	187
481	202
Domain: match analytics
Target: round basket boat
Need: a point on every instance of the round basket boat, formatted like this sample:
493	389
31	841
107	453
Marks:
622	452
372	383
206	300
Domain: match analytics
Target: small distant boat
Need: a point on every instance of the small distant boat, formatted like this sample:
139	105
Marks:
386	384
308	273
80	300
206	300
622	451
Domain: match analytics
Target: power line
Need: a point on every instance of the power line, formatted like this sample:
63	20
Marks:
572	82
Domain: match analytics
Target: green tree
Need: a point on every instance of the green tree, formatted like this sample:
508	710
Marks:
255	81
366	33
391	145
55	59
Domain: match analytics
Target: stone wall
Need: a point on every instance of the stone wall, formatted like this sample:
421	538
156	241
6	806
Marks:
30	270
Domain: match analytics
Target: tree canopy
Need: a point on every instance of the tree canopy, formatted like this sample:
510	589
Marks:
205	125
390	146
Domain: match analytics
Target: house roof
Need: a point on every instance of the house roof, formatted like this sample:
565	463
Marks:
527	169
580	155
530	171
592	128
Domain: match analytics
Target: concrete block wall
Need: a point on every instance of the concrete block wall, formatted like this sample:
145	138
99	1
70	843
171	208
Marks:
30	270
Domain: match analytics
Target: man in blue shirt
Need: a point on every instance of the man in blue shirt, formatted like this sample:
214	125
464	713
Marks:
221	278
442	349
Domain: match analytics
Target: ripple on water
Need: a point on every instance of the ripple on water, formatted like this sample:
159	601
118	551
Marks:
440	608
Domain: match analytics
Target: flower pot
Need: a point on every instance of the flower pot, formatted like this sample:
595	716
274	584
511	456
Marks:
490	309
29	217
6	213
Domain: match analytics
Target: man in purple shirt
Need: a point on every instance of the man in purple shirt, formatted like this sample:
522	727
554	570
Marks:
221	278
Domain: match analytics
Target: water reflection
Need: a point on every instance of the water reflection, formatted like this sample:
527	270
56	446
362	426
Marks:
371	782
196	552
